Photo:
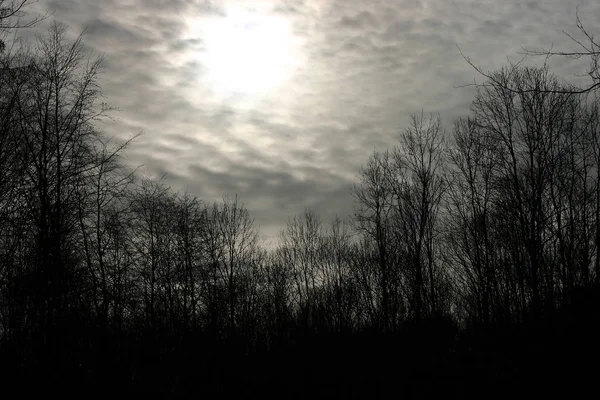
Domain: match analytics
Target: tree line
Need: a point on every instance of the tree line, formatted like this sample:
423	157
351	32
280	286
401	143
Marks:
109	278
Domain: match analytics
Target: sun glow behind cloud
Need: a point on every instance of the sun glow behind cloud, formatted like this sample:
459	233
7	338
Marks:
246	51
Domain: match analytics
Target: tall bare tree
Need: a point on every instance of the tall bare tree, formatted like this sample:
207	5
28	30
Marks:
373	219
301	252
418	191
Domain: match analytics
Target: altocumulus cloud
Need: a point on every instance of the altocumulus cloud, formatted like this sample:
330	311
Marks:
367	66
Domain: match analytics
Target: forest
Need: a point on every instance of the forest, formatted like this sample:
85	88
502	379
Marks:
469	268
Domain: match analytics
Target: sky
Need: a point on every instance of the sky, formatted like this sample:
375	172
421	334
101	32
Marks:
282	102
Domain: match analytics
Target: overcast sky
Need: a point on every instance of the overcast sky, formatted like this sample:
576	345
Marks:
345	77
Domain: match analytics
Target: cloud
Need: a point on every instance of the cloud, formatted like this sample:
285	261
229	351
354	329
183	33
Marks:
366	66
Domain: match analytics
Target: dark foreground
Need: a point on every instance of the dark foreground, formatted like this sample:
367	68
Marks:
555	355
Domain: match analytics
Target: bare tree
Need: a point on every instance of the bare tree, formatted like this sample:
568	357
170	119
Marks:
417	200
190	220
232	241
11	12
536	132
102	208
277	296
54	105
593	135
153	240
339	288
470	192
301	252
373	219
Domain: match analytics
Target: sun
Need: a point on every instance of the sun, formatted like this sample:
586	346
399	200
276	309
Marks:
246	50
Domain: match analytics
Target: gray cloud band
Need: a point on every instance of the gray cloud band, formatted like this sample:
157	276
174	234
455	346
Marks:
368	65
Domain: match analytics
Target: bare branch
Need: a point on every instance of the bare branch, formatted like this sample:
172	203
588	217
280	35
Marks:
588	47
